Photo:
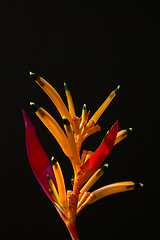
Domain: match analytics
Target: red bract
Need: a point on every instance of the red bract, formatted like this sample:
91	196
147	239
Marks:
90	166
38	159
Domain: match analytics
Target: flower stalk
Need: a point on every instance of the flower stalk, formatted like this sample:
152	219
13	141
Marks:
87	165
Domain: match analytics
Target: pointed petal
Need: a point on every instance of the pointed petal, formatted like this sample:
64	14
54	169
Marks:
75	155
89	154
89	167
60	181
82	198
122	134
38	159
114	188
91	131
53	95
83	155
54	192
93	179
90	198
84	112
70	101
105	104
53	127
109	190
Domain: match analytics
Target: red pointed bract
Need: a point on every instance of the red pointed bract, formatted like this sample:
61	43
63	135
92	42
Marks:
89	167
38	159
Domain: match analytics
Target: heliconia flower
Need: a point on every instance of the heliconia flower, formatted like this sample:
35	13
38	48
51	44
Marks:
87	165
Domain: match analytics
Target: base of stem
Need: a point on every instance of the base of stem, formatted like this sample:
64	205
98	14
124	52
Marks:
72	230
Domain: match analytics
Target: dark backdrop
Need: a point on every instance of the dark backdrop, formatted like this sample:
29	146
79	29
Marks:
93	49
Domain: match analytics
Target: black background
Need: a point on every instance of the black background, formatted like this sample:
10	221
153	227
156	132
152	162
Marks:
93	49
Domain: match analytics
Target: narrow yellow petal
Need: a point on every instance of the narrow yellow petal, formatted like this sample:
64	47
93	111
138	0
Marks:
108	190
53	95
75	155
53	127
93	179
83	116
89	154
54	191
91	131
76	124
114	188
70	101
122	134
60	182
88	126
90	198
83	198
103	107
83	155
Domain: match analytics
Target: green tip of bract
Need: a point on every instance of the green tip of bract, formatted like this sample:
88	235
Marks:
35	76
138	185
66	87
129	130
116	90
65	121
104	167
53	161
105	135
48	177
51	192
34	106
84	107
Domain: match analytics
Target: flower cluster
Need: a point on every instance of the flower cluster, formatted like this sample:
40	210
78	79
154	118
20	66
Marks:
87	165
